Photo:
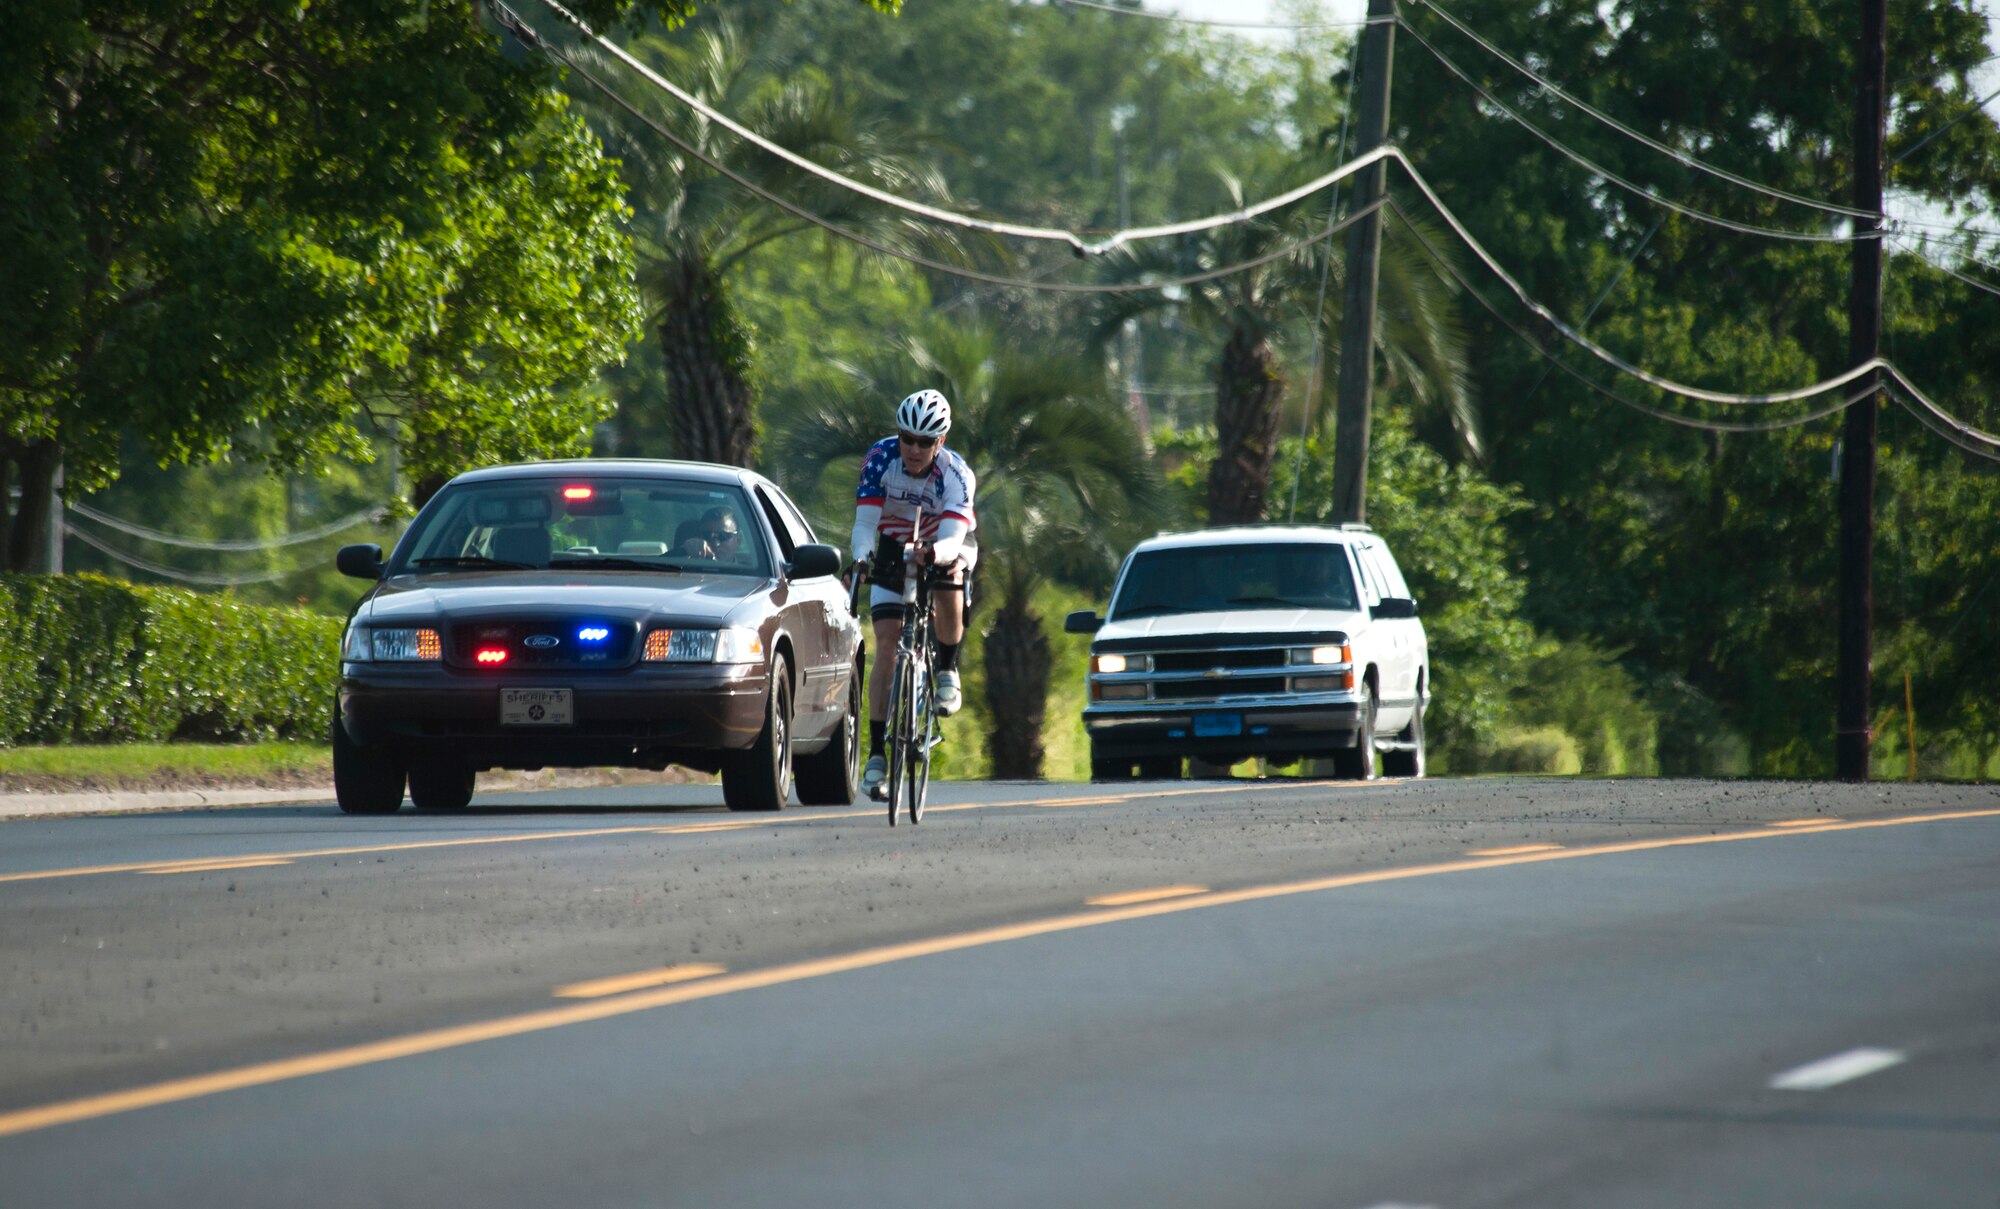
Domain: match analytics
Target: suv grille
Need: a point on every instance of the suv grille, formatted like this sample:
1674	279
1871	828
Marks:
1210	690
1201	661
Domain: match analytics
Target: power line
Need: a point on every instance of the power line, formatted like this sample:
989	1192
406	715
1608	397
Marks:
1598	387
1974	282
1978	107
190	543
1674	152
931	263
1957	425
1601	171
166	572
1938	428
1897	385
1124	11
1076	242
1599	351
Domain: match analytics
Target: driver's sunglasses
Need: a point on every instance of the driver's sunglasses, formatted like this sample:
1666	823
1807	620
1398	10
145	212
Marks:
720	535
911	438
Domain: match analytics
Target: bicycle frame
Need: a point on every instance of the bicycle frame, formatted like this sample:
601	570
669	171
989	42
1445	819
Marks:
913	720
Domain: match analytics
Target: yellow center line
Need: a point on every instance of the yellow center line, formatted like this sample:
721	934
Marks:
217	866
1129	897
802	818
618	984
1818	822
1516	850
346	1058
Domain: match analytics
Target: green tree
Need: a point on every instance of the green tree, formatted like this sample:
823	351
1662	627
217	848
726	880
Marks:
1062	480
255	216
1708	557
697	229
1417	331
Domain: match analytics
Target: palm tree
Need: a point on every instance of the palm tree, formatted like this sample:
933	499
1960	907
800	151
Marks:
1422	343
693	225
1062	476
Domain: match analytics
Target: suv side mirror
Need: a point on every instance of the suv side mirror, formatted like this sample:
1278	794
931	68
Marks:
1394	607
1083	621
362	562
815	561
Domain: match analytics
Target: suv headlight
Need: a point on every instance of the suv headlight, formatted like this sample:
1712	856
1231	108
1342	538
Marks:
1322	656
391	644
1113	664
704	646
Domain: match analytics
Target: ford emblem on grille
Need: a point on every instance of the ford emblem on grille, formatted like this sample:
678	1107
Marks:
541	642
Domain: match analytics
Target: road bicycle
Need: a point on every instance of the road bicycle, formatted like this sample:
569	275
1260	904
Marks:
913	727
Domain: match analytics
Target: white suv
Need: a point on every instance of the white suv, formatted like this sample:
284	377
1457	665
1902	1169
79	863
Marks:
1281	641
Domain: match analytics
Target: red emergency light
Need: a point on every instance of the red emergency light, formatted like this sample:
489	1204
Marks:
577	493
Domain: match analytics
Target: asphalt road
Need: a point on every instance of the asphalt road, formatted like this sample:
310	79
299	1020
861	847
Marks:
1446	993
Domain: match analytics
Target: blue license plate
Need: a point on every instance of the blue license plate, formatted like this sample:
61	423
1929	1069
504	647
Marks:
1217	726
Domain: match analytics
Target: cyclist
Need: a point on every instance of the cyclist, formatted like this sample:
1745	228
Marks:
901	476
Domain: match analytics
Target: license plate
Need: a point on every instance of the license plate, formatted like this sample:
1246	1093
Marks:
1217	726
535	707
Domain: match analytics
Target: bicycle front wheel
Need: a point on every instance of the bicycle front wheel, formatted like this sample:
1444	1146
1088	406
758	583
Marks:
902	720
924	729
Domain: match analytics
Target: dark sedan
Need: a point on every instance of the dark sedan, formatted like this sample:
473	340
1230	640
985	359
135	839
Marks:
589	613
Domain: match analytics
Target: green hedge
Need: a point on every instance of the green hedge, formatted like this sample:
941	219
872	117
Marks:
92	660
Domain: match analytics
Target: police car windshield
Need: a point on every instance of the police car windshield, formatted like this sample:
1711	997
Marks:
588	522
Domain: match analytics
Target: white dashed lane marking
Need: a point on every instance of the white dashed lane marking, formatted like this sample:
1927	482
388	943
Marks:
1840	1068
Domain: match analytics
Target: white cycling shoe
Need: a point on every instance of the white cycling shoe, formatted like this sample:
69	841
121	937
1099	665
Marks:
949	698
875	776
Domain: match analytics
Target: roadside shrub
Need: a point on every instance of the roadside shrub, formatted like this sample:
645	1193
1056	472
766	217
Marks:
99	661
1584	691
1548	751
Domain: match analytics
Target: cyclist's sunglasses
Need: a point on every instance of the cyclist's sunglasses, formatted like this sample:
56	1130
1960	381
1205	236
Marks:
911	438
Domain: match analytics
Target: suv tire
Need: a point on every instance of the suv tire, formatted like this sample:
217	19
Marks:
1357	763
1407	761
1115	768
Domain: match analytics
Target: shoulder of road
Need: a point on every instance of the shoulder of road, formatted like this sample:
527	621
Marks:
31	803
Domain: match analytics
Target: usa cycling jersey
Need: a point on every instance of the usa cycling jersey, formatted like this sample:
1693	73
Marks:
944	494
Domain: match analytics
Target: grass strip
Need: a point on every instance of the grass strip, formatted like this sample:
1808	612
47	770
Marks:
162	766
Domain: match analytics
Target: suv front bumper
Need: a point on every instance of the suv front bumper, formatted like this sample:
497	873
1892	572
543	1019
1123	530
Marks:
1303	726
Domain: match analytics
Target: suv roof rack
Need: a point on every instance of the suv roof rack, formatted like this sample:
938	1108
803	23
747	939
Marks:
1354	527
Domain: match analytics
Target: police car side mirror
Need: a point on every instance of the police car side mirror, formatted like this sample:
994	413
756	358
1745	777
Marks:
815	562
361	562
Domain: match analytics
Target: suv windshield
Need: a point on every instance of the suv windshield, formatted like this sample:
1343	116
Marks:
1200	579
584	522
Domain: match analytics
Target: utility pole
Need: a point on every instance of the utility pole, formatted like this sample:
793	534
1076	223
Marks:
1857	457
1129	341
1356	398
45	556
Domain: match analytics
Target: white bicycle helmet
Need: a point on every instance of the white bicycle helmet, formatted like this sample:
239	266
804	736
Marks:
924	414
